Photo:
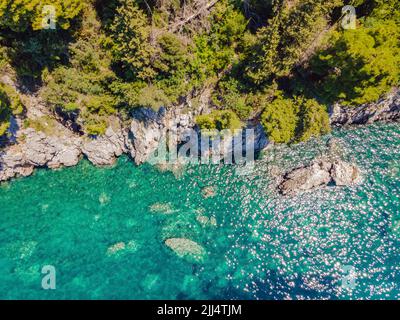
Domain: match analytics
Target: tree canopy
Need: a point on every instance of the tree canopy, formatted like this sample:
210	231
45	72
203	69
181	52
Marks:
280	61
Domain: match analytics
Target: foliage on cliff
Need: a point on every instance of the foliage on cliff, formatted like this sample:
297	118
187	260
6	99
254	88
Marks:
296	119
359	65
219	120
283	60
9	104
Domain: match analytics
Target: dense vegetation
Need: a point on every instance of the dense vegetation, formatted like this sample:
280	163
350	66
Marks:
281	61
9	104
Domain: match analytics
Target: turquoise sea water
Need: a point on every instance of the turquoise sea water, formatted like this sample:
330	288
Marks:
263	246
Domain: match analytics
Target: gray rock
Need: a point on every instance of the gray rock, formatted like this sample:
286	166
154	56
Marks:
38	150
306	178
67	157
146	138
13	164
104	150
386	109
319	174
345	174
149	128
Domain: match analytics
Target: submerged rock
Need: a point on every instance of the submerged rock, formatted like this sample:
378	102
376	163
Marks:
115	248
206	221
122	247
319	174
164	208
186	248
104	198
208	192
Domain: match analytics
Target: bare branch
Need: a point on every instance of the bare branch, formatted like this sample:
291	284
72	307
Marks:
179	24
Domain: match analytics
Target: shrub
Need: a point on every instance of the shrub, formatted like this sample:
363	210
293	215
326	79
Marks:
288	120
229	97
280	119
314	120
10	104
219	119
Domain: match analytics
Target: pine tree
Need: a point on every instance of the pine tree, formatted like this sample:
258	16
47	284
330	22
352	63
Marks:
289	33
130	41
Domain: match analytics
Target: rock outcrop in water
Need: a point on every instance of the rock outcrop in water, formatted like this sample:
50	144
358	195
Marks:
345	174
319	174
386	109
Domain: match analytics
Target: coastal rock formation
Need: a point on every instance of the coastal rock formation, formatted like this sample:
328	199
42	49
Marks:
318	174
38	150
64	148
146	139
105	149
12	164
148	130
386	109
345	174
306	178
186	248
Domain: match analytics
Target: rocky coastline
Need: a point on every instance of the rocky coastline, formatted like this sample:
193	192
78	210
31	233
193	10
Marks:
386	109
29	149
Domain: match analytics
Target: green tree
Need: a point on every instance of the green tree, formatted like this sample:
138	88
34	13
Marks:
82	90
216	48
360	65
289	33
23	15
288	120
280	119
314	120
130	41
